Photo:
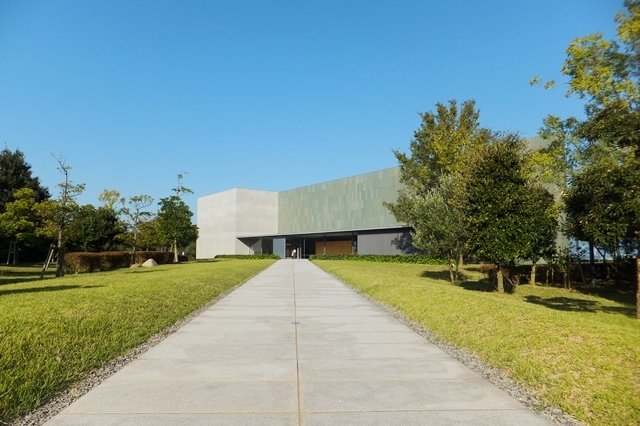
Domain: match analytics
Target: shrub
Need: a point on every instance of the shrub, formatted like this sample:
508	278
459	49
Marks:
382	258
247	256
82	262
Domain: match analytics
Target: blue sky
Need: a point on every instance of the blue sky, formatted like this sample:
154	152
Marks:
267	95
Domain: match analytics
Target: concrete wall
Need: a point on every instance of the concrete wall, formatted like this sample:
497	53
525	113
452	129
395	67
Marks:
384	243
351	203
226	216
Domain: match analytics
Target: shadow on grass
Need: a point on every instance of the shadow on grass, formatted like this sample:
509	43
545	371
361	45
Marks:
23	279
45	289
621	295
571	304
483	285
144	270
442	275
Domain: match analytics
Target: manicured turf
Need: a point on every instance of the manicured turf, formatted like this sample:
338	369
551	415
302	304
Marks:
577	352
54	331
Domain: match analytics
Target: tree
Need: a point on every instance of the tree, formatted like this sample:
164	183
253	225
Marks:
150	236
606	74
15	174
19	222
438	224
437	154
60	213
503	211
109	198
174	219
133	209
94	229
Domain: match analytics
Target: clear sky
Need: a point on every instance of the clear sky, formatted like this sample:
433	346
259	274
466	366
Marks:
267	94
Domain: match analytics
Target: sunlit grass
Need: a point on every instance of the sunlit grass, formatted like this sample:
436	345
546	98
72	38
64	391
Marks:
578	352
54	331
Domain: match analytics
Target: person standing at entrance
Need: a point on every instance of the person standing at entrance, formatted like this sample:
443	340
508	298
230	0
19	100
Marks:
294	253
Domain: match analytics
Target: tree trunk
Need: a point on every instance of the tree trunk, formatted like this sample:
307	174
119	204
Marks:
546	281
135	243
451	273
175	250
500	278
60	264
584	281
461	259
592	262
532	280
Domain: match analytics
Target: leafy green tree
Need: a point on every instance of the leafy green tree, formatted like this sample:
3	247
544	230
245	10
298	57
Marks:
437	154
150	236
134	210
15	174
109	198
94	229
19	222
507	218
603	203
174	219
437	224
57	214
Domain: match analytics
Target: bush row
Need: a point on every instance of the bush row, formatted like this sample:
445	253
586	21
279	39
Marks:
247	256
81	262
414	258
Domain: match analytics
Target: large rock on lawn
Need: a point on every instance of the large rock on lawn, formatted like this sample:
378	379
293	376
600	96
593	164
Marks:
149	263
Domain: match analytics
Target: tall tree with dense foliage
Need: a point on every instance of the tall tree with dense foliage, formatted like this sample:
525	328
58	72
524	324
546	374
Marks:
507	216
174	219
428	174
603	201
94	229
19	221
15	174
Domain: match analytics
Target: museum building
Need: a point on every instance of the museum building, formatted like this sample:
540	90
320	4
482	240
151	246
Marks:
343	216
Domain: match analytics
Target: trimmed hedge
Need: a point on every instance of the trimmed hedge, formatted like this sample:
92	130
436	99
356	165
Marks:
82	262
414	258
247	256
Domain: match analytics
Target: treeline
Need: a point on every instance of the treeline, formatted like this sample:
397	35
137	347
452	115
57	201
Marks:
32	221
472	191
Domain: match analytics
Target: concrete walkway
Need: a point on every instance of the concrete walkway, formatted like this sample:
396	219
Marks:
295	346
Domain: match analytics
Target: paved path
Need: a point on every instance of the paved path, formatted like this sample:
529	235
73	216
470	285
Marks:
295	346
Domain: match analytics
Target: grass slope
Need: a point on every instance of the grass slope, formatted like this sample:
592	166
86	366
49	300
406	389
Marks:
54	331
577	352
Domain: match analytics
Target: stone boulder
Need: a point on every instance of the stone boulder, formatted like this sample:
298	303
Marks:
149	263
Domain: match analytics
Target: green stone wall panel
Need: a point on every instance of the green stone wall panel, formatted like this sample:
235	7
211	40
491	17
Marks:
350	203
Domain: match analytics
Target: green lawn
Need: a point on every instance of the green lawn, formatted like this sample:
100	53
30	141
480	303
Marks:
578	352
54	331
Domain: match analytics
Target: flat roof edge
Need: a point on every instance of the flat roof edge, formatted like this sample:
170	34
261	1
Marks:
339	231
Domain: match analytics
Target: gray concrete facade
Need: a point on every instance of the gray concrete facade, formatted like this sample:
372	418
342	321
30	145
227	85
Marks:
351	203
294	346
238	221
226	217
384	242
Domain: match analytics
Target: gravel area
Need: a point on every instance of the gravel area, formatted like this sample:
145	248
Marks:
56	404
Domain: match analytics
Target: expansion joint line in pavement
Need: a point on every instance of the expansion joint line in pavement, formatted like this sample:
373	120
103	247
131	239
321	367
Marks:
295	325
